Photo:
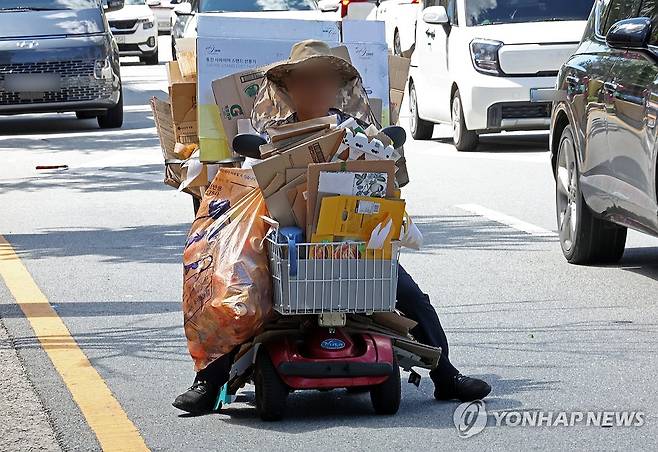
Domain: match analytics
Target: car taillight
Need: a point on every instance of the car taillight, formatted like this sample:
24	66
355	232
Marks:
344	5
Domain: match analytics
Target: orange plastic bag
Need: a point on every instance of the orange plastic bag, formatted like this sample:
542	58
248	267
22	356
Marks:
227	289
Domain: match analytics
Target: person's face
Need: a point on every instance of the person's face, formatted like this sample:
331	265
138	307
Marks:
313	88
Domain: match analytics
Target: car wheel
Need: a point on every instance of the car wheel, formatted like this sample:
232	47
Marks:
584	238
420	129
397	44
85	114
113	119
150	60
464	139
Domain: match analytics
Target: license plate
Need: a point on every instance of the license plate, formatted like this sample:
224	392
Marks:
120	39
32	83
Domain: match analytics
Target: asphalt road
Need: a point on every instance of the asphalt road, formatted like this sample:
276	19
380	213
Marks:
103	241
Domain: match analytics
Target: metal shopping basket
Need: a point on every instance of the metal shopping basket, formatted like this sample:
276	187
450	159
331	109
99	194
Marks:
339	277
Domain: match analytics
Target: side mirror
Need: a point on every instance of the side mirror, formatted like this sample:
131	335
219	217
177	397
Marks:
436	15
629	34
183	9
112	5
248	145
329	6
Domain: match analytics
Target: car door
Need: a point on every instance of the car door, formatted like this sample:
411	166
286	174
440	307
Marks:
632	122
436	63
587	79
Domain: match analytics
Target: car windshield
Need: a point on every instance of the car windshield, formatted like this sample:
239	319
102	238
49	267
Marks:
492	12
46	5
256	5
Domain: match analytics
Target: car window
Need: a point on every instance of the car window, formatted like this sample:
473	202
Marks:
492	12
619	10
650	9
47	4
256	5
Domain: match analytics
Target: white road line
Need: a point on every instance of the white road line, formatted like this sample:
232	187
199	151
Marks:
507	220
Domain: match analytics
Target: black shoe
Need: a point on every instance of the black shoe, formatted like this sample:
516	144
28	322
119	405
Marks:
200	398
462	388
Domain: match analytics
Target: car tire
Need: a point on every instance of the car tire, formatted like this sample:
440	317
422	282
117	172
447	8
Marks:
397	44
113	119
464	139
271	391
150	60
86	114
420	129
385	397
584	238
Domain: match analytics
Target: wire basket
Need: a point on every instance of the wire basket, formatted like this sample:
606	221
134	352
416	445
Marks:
339	277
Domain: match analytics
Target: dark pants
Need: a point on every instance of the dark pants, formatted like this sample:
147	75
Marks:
415	304
412	302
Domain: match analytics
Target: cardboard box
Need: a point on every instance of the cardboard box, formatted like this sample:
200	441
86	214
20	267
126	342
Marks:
165	127
183	100
360	166
186	55
371	60
227	45
364	31
397	97
271	173
398	72
234	96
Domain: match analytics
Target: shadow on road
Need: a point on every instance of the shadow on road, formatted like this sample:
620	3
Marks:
641	261
473	232
136	244
498	143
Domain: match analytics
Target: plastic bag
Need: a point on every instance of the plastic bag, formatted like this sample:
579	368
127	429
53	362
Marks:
411	237
227	290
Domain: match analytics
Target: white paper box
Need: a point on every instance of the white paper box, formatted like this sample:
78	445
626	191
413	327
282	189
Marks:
224	26
364	31
371	60
217	57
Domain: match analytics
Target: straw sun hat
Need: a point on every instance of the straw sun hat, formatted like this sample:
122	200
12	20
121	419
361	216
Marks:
311	53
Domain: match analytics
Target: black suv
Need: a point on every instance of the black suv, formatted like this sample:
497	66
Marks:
603	133
60	56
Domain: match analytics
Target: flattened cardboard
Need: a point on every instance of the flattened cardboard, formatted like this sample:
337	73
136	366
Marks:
182	95
315	151
396	105
300	128
357	166
398	72
165	127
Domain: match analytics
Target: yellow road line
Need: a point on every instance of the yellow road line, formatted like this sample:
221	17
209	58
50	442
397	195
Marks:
103	413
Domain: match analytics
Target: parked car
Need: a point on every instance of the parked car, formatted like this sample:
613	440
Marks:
59	57
186	12
162	10
351	9
136	31
400	17
603	133
476	64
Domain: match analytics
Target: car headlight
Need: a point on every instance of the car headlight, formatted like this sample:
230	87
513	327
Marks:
484	53
147	23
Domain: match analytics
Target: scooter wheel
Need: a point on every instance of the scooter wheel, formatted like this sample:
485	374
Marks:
385	397
271	391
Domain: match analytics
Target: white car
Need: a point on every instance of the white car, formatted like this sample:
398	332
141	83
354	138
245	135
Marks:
163	10
135	30
477	64
400	17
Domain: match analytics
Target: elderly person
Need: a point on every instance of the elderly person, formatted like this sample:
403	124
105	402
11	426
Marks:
315	82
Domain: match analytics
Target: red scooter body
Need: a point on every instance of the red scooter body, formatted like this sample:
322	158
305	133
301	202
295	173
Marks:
329	358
